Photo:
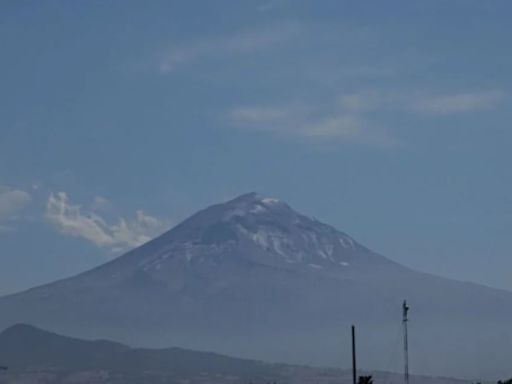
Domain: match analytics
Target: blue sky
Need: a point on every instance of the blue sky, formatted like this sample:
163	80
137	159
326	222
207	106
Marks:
389	120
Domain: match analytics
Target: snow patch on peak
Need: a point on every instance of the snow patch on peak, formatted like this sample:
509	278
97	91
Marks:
251	203
235	212
269	201
347	242
258	209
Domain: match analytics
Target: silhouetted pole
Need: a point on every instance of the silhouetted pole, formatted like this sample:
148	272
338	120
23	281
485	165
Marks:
354	366
405	309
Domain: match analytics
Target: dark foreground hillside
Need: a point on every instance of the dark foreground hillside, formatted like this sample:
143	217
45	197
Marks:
37	356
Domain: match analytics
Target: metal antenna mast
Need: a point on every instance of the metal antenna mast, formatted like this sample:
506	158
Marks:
405	309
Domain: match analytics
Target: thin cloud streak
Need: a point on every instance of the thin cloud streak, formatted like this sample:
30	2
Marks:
238	44
352	117
308	123
458	103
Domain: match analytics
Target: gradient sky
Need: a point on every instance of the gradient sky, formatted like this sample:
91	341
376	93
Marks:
389	120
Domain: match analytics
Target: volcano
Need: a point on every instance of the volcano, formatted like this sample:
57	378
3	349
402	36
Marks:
254	278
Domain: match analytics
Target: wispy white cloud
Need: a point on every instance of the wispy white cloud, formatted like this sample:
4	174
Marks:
100	203
457	102
11	202
71	219
420	102
370	100
353	116
309	122
237	44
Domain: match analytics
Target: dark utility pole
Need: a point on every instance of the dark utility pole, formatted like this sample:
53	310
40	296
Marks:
354	366
405	319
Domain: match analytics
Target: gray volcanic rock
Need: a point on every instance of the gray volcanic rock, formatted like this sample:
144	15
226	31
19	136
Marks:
253	278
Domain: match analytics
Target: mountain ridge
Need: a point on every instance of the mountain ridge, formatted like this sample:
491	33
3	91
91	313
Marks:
62	359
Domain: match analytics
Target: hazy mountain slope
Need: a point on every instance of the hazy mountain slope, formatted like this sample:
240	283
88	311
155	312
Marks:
38	356
253	278
25	349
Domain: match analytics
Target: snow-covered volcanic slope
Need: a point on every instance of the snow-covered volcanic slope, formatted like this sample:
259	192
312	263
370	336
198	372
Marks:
253	278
